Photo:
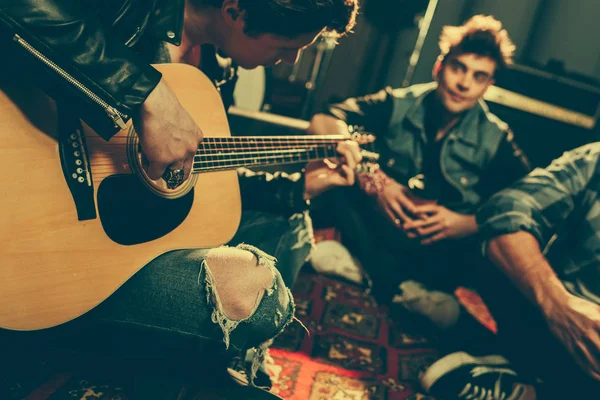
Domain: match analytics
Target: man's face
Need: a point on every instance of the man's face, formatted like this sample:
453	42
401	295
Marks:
462	81
266	49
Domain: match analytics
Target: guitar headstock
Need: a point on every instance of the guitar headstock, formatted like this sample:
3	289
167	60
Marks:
363	137
369	156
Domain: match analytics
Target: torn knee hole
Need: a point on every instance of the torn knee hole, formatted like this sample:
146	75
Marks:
236	281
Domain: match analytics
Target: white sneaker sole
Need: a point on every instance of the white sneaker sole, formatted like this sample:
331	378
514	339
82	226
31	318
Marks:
453	361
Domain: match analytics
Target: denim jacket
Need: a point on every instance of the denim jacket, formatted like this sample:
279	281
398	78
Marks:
478	156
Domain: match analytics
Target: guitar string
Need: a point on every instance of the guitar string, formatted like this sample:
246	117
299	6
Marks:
101	171
298	157
213	149
217	158
210	158
283	138
217	146
223	151
217	152
257	140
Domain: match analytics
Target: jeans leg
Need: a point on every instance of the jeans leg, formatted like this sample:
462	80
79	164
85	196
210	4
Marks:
368	238
289	240
188	303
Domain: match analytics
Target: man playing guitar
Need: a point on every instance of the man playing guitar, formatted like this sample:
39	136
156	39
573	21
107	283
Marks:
94	59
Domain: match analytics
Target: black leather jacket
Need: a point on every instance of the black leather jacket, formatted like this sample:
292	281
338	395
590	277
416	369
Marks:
81	52
100	45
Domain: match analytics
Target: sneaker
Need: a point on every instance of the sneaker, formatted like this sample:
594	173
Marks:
462	376
441	309
330	257
241	366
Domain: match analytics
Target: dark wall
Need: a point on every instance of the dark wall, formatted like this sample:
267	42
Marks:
568	31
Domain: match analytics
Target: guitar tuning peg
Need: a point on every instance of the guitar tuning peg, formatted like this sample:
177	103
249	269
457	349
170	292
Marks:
355	129
369	137
369	155
363	138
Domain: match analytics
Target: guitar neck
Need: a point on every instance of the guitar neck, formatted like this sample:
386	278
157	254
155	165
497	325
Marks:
218	154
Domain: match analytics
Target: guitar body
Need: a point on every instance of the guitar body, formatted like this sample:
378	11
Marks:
55	266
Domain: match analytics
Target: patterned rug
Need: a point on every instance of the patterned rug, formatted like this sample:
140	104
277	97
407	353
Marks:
353	351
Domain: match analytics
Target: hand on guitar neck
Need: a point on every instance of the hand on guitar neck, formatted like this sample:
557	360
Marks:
320	176
49	252
169	137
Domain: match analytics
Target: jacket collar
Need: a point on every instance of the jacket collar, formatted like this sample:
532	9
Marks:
167	21
467	129
416	113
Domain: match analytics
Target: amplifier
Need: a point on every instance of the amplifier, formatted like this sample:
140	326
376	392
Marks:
517	101
549	114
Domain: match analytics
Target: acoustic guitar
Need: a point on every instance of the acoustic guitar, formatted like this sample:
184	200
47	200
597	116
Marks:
80	216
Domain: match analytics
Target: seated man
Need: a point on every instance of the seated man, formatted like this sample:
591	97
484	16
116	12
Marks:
442	154
210	300
542	287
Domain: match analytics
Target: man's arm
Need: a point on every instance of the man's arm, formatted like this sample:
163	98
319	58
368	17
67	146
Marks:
286	194
519	221
372	112
66	33
544	200
439	223
323	124
277	192
518	255
574	321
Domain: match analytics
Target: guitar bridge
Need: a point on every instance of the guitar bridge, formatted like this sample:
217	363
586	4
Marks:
75	165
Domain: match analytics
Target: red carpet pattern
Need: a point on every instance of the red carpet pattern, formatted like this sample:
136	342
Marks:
353	352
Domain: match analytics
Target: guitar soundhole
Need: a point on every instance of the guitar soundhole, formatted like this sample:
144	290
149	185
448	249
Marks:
131	214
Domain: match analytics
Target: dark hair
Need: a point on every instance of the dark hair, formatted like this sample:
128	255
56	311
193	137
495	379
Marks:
291	18
481	35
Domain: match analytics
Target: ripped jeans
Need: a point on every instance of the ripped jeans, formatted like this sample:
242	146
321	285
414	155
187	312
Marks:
289	240
198	303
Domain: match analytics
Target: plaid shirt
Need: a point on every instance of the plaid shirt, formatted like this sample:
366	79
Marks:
560	207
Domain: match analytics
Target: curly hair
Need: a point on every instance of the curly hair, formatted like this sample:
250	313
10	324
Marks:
482	35
291	18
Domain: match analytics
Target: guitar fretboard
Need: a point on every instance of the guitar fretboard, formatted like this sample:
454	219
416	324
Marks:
216	154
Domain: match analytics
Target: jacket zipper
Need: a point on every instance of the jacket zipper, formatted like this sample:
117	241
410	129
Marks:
116	116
